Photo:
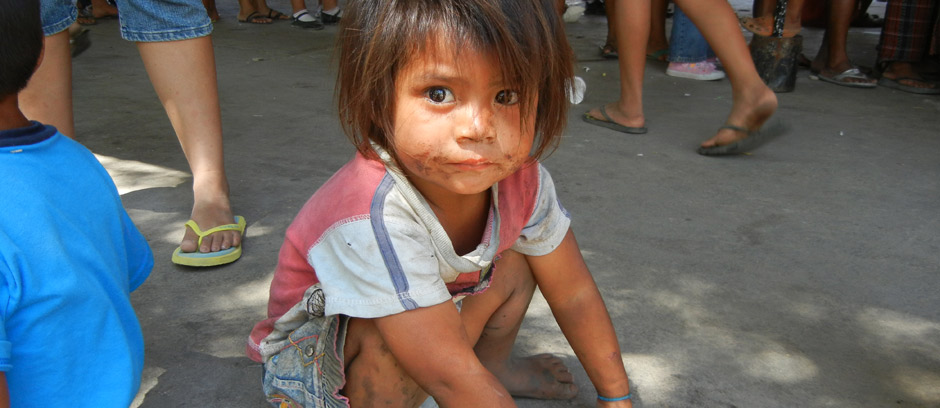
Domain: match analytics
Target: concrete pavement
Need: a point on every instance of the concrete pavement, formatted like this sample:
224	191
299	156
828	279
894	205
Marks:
804	274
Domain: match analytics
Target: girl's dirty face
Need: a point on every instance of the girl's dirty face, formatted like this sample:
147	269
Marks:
459	128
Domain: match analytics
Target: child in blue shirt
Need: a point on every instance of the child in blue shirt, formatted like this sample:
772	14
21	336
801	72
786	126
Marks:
69	253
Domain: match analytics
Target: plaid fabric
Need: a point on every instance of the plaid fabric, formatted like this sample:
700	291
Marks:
909	30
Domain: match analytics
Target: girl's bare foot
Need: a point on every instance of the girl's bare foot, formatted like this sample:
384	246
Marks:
764	26
749	111
541	376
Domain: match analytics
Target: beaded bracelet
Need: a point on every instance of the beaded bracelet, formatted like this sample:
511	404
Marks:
623	398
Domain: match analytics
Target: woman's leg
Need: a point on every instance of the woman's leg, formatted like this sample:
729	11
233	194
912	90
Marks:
657	39
184	76
48	96
632	33
753	102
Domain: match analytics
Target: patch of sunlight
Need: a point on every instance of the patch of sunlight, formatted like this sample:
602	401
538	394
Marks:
918	383
250	295
695	317
781	366
227	346
132	175
653	377
148	379
901	331
587	254
692	286
808	311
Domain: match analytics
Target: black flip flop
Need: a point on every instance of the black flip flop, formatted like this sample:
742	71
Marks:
754	139
609	123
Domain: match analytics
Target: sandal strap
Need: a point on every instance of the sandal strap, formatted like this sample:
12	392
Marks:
202	234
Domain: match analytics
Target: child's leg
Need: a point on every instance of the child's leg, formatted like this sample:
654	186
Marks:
495	321
491	319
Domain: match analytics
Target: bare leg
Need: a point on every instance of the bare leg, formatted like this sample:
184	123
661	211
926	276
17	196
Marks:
610	45
632	33
183	74
211	10
48	96
753	102
832	58
540	376
657	42
492	317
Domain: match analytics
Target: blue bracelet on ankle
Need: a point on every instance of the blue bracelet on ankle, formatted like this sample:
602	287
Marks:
623	398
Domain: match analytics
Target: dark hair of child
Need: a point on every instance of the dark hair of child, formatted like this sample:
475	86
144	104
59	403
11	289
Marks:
379	38
20	43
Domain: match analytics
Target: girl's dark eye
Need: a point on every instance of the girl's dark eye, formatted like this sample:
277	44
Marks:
439	95
507	97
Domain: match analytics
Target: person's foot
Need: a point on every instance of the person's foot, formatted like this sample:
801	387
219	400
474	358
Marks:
844	73
750	111
613	110
331	16
609	51
765	26
103	10
253	17
657	53
907	78
541	376
211	214
701	71
273	14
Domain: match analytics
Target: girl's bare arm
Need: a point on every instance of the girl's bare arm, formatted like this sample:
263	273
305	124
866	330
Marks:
576	303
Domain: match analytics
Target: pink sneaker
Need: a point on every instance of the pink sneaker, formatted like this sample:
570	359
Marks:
702	71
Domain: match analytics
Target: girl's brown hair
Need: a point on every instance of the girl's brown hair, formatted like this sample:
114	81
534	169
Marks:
378	38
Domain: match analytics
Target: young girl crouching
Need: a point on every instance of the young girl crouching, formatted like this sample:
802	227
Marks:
409	272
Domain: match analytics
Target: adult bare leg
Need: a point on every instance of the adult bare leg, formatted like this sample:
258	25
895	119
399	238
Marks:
632	30
184	77
752	101
657	46
48	96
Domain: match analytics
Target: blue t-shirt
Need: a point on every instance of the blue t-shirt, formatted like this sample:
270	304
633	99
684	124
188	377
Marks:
69	258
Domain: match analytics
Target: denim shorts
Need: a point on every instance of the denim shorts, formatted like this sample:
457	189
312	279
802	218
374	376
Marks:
141	20
308	371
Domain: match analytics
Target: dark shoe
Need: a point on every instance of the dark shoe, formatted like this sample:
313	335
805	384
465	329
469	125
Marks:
312	24
609	123
331	18
754	139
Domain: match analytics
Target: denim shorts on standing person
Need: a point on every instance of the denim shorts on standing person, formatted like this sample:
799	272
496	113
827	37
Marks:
686	44
141	20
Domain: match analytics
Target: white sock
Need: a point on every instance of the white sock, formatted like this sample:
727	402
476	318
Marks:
333	11
304	16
